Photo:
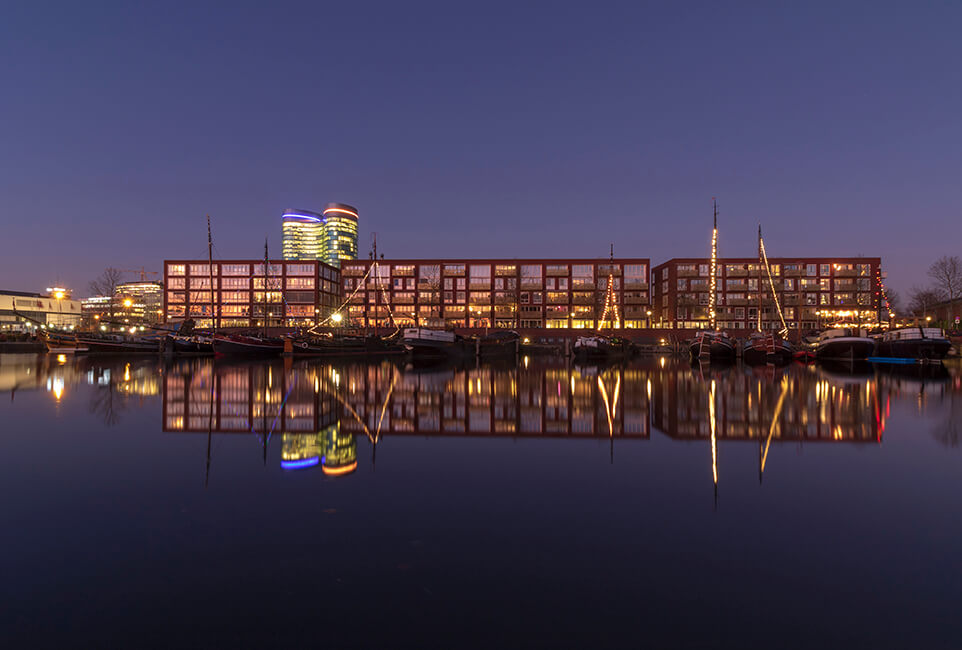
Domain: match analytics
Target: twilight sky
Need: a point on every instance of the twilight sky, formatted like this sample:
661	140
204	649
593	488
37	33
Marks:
478	129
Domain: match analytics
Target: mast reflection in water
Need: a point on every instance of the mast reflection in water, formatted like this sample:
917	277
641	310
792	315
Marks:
319	410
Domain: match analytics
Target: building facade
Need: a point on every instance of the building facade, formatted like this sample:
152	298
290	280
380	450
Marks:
301	235
339	234
523	293
141	302
22	311
329	237
246	294
812	292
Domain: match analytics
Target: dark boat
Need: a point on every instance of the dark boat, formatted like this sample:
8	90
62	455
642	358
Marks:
504	343
333	345
924	343
119	343
195	344
844	344
425	343
712	346
242	344
185	341
762	349
595	347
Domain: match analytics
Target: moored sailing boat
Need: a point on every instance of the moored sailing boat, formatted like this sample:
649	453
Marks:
712	344
761	347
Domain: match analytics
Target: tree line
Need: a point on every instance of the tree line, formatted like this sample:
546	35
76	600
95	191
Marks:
946	285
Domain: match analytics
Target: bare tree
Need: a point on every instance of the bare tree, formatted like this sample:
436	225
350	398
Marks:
947	274
922	300
106	285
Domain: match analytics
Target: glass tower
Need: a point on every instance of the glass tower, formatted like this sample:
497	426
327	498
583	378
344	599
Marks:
302	235
339	234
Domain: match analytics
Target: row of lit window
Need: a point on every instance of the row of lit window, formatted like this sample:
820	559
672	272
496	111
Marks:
291	268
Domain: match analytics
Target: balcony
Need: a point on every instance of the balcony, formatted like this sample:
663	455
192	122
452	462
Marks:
736	272
736	286
787	272
687	273
845	273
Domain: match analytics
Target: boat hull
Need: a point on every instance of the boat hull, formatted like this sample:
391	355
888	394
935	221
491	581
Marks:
762	352
247	346
845	348
935	349
108	346
717	349
191	345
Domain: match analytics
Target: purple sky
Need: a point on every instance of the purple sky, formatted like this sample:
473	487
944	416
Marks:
478	129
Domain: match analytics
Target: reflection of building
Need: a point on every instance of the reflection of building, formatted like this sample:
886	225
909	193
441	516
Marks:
262	398
298	293
498	293
339	234
815	407
535	401
301	235
340	451
811	291
300	450
22	310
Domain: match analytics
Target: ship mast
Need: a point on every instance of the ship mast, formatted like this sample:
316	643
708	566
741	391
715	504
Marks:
760	262
712	288
210	268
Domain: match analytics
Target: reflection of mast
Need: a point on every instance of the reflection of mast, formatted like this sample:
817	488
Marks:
714	450
763	454
611	409
210	425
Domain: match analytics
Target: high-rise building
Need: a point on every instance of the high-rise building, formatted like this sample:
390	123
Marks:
301	235
329	237
339	238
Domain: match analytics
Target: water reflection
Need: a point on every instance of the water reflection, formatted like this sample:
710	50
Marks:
319	409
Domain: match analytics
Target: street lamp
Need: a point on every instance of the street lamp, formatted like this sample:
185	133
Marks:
336	317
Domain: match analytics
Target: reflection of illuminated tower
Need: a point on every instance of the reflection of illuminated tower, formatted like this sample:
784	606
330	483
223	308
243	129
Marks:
299	450
301	235
340	451
339	234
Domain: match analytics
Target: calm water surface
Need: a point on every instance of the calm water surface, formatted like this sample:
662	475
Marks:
264	504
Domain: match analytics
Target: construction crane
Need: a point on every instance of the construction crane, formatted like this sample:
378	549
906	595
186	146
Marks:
142	271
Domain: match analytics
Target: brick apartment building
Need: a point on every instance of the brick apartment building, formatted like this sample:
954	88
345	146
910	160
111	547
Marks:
521	293
811	292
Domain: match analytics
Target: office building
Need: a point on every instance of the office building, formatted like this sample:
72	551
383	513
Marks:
523	293
812	292
329	237
248	295
22	311
301	235
339	238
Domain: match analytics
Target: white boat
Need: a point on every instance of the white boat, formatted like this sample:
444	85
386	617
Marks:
426	342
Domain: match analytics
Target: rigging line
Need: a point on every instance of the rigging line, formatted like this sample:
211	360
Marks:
347	300
771	283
